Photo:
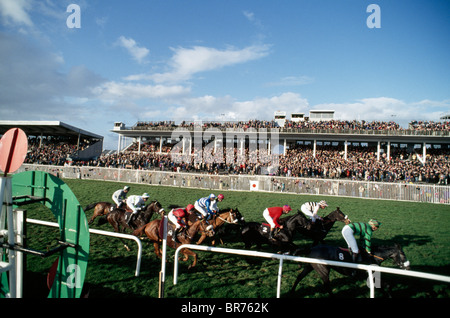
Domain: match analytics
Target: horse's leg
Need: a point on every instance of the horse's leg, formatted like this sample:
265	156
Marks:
91	219
307	269
157	250
324	273
94	215
188	253
202	238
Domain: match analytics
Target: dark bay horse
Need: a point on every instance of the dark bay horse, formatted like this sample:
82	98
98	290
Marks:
257	233
100	209
153	231
332	253
117	217
317	232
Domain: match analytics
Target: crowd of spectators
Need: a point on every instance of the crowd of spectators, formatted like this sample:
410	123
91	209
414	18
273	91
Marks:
361	163
329	162
290	124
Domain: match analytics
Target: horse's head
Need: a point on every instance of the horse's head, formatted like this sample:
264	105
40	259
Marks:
399	257
155	207
338	215
240	219
393	252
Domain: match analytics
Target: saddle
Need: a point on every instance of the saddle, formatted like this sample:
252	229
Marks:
170	229
265	229
344	255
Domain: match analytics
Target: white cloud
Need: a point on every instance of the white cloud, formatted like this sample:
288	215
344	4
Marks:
15	12
34	86
187	62
211	108
250	16
137	53
112	91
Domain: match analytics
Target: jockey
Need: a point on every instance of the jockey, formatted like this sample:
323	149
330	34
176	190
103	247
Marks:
135	203
365	231
272	215
310	209
207	206
120	196
176	216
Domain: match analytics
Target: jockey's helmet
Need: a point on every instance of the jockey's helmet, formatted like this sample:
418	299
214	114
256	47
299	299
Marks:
189	207
286	208
375	223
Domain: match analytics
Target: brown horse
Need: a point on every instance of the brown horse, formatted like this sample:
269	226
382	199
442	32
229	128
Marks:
230	217
152	230
100	209
117	218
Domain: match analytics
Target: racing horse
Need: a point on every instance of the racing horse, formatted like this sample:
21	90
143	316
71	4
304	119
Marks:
257	233
332	253
153	231
228	216
117	218
318	231
100	209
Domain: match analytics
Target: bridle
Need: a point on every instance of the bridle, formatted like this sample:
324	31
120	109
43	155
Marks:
226	221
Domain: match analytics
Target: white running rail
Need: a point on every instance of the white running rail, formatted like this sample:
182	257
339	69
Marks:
107	233
369	268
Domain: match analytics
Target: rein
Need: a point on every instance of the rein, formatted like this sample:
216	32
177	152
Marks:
380	258
219	217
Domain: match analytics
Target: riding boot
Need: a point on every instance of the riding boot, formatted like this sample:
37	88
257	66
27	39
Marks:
271	234
354	260
130	217
175	235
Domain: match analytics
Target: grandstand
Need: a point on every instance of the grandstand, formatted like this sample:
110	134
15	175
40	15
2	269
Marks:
354	150
55	142
358	150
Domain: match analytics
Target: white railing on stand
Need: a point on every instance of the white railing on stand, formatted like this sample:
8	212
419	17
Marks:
369	268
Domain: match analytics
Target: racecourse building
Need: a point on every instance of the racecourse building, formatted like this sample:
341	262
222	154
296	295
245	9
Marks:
291	135
46	138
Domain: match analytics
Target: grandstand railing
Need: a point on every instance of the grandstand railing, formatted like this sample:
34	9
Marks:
386	132
413	192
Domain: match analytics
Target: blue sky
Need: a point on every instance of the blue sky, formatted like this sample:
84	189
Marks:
215	60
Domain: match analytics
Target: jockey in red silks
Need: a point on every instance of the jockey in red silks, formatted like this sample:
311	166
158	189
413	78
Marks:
272	215
176	216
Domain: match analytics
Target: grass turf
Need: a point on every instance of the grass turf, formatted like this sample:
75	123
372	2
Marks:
421	228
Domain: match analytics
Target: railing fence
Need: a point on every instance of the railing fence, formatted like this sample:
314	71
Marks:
414	192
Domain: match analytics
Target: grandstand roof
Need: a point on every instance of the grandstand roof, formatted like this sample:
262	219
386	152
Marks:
46	128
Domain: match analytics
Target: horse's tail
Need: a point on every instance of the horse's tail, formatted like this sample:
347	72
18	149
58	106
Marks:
90	206
139	231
